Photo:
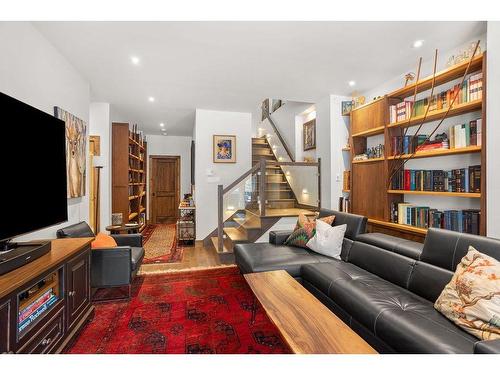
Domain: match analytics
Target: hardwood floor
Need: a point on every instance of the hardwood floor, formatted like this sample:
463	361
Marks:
195	257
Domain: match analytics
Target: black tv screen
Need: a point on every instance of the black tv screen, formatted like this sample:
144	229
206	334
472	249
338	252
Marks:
33	157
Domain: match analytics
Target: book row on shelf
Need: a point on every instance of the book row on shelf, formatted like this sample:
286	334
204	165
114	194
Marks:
31	312
464	221
464	180
458	136
470	90
344	204
136	135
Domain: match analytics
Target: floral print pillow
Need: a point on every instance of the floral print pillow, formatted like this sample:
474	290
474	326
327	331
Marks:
472	298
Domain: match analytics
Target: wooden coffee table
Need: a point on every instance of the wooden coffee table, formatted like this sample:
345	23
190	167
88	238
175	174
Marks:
306	325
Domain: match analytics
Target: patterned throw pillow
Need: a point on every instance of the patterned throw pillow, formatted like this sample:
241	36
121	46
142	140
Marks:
471	299
305	229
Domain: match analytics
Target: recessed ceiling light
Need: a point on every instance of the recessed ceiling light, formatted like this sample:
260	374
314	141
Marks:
135	60
418	43
162	124
351	83
151	99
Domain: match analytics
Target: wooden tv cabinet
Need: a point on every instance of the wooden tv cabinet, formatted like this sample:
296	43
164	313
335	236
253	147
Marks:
64	273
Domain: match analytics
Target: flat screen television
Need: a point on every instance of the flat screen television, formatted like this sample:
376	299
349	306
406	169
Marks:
33	174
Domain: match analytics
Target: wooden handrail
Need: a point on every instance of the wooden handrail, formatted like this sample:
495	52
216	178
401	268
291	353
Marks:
285	146
241	178
293	163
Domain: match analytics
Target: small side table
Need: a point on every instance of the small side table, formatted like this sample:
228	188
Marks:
118	229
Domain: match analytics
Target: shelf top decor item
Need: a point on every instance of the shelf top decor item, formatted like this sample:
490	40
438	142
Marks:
224	148
76	146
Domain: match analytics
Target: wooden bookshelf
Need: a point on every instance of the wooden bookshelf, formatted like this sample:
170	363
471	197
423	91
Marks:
372	160
440	152
370	132
436	193
129	178
457	110
370	194
444	76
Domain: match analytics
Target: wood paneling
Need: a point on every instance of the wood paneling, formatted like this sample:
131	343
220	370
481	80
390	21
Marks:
306	325
369	117
5	321
369	190
165	188
78	287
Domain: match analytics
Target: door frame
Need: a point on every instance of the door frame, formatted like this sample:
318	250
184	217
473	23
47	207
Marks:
177	158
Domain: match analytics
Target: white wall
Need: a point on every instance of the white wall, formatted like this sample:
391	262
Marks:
100	124
33	71
172	146
300	120
493	130
209	174
332	132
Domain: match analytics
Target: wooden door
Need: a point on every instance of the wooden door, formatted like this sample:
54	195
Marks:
165	188
78	286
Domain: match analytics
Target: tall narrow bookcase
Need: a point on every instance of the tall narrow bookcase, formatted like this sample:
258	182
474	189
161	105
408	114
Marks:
129	174
371	194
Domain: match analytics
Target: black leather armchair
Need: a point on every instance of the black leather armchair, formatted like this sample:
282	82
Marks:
110	267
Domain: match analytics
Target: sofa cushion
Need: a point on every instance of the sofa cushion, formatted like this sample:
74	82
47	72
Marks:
137	256
428	281
390	266
356	224
472	298
445	248
373	302
401	246
103	240
419	328
260	257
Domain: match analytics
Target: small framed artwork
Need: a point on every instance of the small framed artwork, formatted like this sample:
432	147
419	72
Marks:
224	149
346	108
310	135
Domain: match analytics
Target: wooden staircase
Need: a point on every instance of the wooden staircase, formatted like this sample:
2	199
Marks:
279	194
246	226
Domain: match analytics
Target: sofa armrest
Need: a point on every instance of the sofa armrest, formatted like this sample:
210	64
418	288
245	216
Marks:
487	347
133	240
278	237
111	266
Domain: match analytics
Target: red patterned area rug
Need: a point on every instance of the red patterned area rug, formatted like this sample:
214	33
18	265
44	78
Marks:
160	244
197	312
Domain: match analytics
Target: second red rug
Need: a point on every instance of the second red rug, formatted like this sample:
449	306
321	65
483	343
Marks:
160	244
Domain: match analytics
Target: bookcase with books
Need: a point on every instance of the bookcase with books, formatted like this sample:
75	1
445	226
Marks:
129	151
442	181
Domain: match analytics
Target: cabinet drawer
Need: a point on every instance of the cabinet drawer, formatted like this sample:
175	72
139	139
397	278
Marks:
48	337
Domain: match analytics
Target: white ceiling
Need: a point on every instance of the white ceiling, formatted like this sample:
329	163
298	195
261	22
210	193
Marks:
234	65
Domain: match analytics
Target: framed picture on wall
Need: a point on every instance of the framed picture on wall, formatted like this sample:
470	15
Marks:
224	148
346	108
310	135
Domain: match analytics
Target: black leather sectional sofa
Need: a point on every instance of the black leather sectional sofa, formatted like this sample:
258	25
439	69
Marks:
384	287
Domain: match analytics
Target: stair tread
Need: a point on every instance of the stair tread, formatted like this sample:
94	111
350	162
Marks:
281	199
215	242
247	224
235	234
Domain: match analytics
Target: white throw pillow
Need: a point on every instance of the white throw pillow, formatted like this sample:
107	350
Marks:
327	240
